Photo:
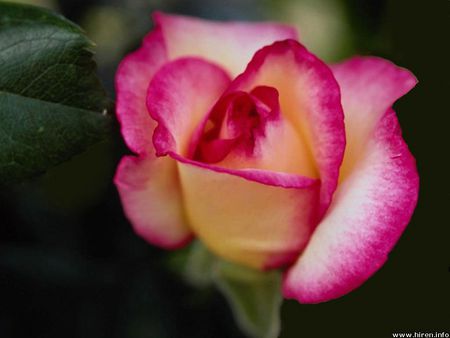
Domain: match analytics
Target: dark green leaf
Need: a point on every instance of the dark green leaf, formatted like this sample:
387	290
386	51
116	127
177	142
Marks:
50	97
35	134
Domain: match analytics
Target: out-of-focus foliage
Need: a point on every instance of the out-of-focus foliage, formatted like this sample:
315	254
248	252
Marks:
322	24
42	3
108	25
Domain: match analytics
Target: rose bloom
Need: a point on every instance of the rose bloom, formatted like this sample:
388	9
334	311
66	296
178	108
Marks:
270	157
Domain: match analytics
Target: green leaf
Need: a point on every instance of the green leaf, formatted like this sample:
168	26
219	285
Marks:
50	97
255	297
35	134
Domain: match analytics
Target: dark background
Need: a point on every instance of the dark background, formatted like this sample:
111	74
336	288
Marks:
70	265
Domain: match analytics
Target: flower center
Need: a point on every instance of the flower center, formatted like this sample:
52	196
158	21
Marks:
235	122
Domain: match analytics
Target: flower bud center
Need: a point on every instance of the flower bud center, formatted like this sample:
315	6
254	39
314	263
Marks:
235	122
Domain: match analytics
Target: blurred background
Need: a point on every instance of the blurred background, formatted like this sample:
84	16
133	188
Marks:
71	266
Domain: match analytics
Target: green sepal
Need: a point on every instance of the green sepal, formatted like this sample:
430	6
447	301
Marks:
254	296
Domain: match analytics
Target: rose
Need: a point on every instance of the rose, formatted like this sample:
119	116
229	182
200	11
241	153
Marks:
239	140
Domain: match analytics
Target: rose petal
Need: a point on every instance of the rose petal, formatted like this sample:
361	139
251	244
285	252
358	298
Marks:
230	45
377	193
132	80
228	208
369	212
149	190
310	101
179	97
369	86
256	218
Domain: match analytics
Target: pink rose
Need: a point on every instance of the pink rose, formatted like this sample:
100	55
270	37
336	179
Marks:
273	159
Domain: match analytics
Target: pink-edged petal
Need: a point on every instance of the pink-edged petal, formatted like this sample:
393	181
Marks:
369	86
266	177
310	101
132	80
227	208
179	97
254	217
149	191
229	44
246	130
369	212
